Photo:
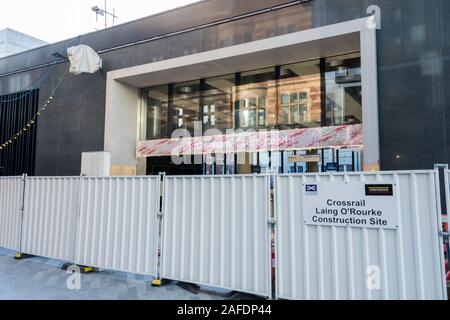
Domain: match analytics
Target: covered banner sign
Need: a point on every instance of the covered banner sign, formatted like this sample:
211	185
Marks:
262	141
352	204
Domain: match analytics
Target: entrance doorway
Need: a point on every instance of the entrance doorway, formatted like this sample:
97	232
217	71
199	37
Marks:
285	162
301	161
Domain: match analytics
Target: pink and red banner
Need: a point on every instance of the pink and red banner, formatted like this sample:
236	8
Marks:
262	141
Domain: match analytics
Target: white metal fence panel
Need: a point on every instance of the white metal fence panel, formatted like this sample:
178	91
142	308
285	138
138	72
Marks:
11	191
51	217
118	224
216	232
330	262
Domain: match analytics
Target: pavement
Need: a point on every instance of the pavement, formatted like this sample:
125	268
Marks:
37	278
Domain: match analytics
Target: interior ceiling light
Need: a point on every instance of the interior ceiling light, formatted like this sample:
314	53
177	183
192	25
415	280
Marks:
285	72
186	89
336	63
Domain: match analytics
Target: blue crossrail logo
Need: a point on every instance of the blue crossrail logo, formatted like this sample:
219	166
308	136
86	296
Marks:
311	188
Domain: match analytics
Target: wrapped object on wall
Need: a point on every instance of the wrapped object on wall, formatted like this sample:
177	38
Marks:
83	59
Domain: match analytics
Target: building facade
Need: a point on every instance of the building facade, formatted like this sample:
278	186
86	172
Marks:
291	86
12	42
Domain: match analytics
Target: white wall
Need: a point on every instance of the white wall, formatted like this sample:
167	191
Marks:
121	122
12	42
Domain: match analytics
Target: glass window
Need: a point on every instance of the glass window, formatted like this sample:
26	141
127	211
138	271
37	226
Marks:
218	97
304	113
289	167
264	162
294	98
275	161
261	116
156	110
186	105
257	77
258	101
343	90
346	159
303	97
300	92
255	90
285	114
230	165
220	164
294	114
262	101
208	165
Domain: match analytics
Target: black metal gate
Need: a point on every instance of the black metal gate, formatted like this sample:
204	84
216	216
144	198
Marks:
16	110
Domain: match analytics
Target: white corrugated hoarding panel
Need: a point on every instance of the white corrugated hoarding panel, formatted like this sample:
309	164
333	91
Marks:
216	232
118	224
329	262
11	190
445	218
51	216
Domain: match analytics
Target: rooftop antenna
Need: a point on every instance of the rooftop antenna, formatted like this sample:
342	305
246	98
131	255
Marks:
105	13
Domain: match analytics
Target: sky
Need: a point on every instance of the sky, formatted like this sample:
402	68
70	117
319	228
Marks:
56	20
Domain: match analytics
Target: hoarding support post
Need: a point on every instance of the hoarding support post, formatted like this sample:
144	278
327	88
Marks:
157	282
444	189
19	255
272	222
442	170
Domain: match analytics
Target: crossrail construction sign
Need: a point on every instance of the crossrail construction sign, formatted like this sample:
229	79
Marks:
351	204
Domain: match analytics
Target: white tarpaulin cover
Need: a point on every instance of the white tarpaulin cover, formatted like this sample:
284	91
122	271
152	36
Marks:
83	59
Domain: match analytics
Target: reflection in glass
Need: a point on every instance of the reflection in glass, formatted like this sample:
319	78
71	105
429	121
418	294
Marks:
230	164
343	90
289	167
157	108
286	97
186	105
218	106
264	162
220	164
275	161
251	97
300	95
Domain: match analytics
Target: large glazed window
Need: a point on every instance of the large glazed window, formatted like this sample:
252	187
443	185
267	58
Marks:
157	99
343	90
184	110
218	102
255	99
300	95
310	94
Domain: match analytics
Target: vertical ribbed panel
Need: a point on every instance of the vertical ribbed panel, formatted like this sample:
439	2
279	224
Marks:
51	217
216	232
11	190
118	224
324	262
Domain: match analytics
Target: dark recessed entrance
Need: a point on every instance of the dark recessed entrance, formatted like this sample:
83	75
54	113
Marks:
328	160
164	164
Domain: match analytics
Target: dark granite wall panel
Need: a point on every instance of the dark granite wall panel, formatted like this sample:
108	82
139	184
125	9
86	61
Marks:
413	53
